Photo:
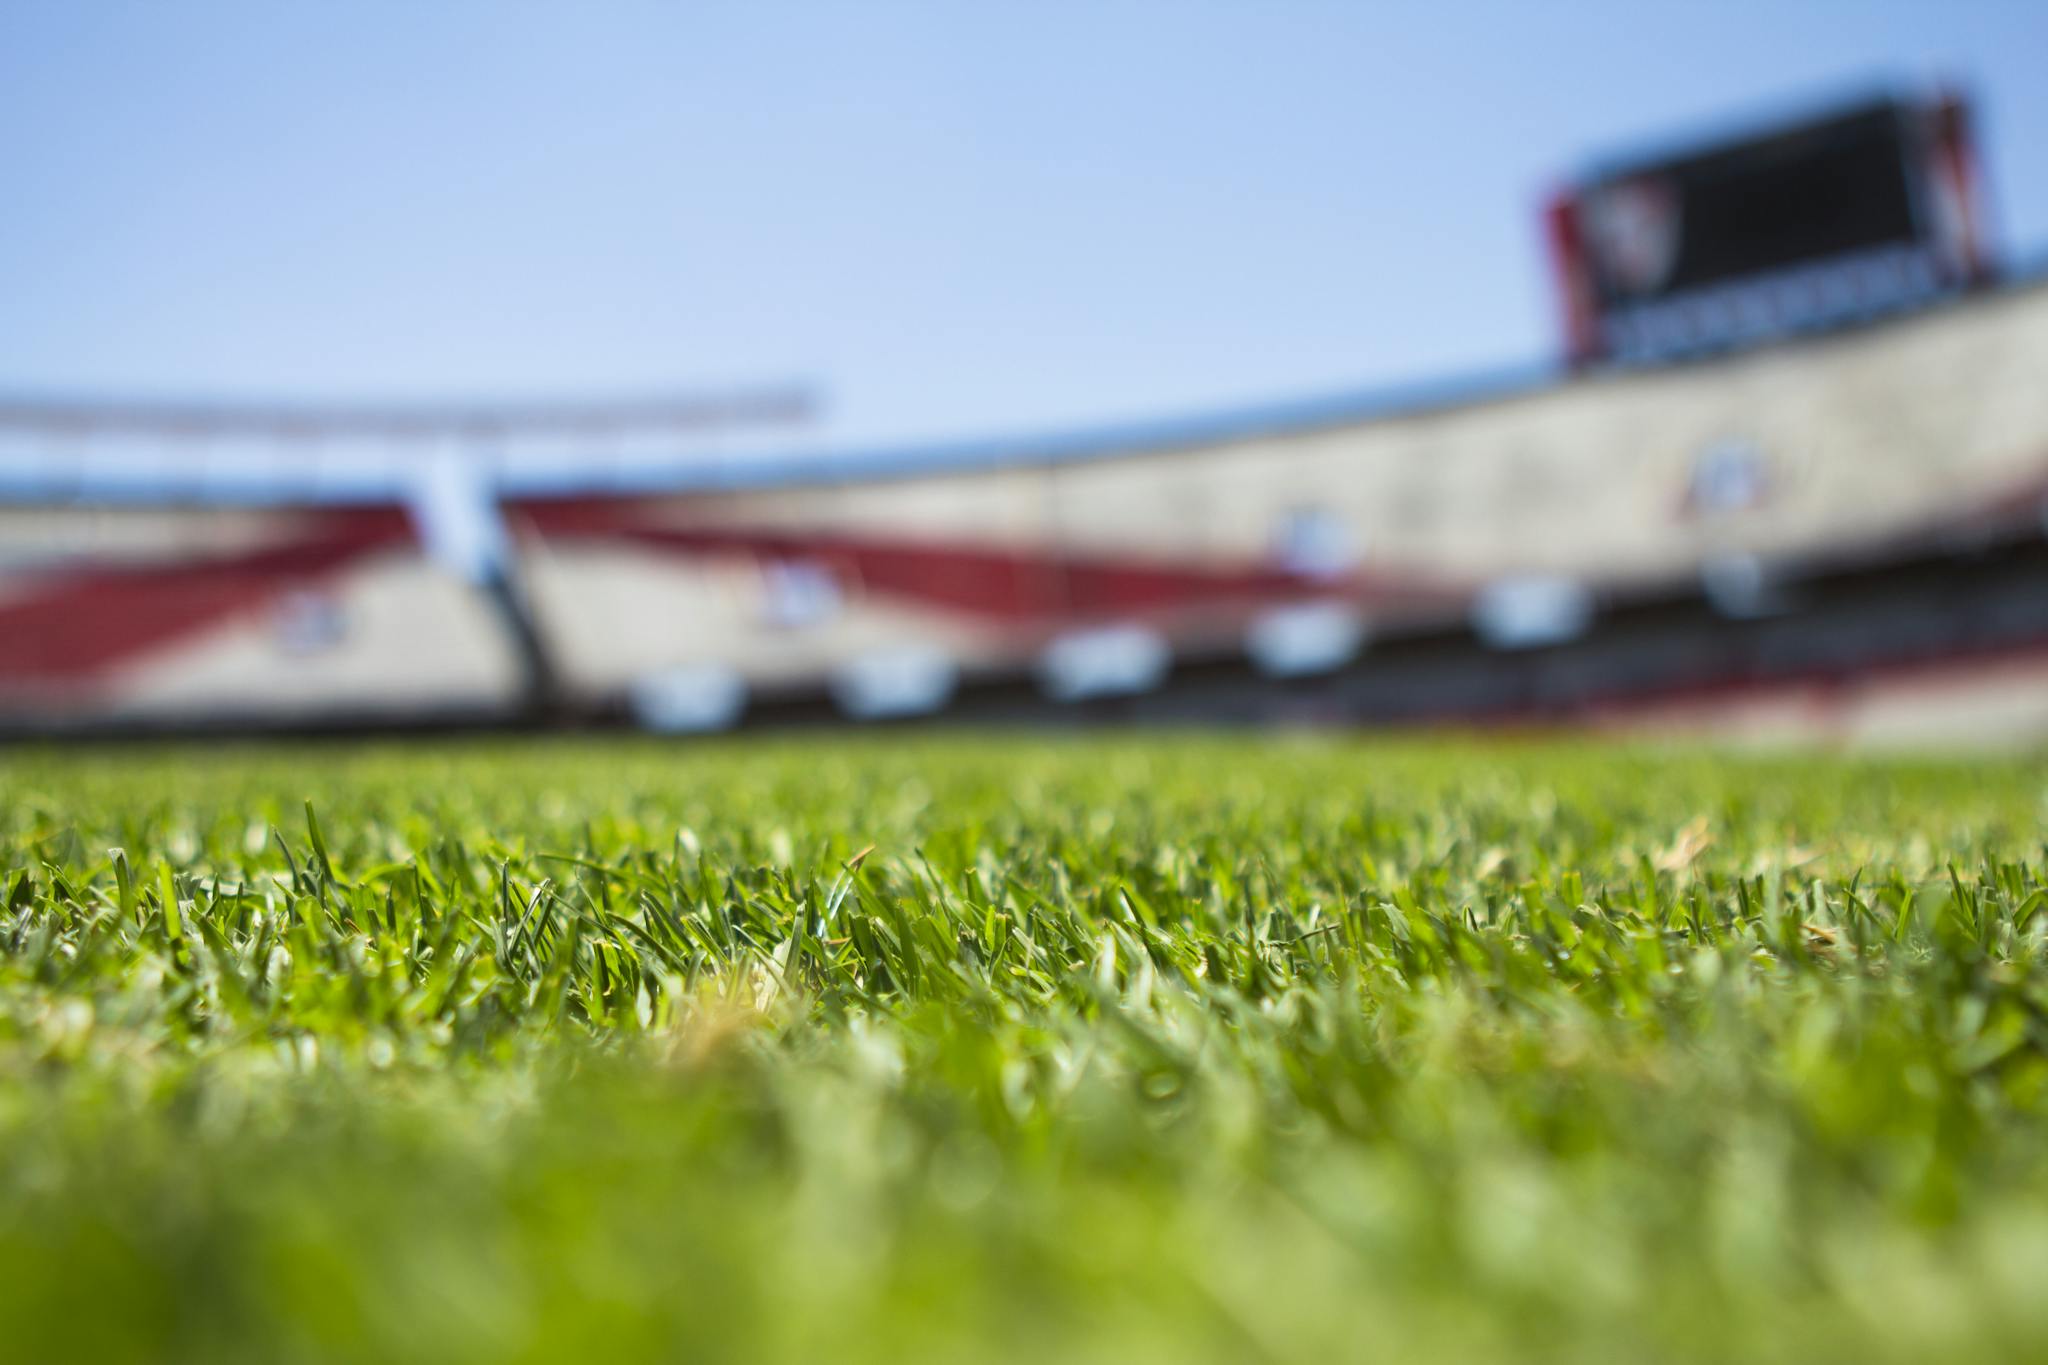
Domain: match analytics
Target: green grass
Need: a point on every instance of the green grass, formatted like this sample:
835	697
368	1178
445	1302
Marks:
1181	1050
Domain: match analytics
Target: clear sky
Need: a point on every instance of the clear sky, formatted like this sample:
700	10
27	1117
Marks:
967	219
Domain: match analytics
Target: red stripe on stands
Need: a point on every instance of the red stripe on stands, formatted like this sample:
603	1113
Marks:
1005	585
73	625
1001	585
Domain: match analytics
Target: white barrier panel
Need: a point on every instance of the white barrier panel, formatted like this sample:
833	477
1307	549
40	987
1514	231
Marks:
1533	611
1109	661
1738	586
689	700
911	681
1304	639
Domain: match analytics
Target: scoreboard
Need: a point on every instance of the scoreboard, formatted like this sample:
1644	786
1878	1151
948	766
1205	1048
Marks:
1836	219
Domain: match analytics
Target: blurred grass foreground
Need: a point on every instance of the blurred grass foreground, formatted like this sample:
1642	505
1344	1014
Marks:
1172	1050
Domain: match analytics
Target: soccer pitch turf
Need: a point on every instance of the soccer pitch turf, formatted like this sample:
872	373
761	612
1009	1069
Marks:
984	1047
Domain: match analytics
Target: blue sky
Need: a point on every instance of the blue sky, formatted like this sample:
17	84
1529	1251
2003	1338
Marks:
958	220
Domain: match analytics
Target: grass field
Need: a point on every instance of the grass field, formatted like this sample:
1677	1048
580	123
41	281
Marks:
1187	1049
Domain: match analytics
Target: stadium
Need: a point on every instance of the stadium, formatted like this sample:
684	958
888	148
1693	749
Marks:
1541	864
1797	486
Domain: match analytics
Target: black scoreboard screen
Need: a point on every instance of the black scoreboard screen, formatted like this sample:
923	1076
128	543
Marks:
1825	222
